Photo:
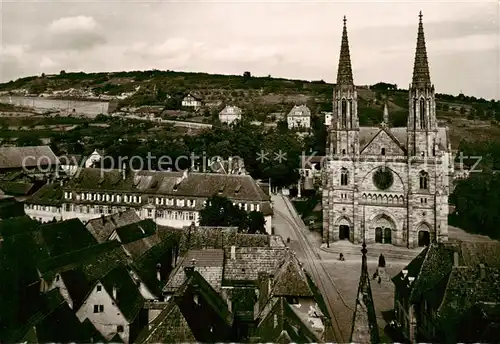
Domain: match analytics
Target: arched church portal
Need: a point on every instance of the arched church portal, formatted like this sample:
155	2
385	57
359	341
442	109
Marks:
344	228
424	235
384	226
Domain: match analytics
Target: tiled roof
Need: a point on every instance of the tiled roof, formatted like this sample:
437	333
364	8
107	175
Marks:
249	261
290	279
235	110
17	157
16	188
102	227
65	236
17	225
128	298
49	194
237	187
210	237
300	111
366	134
169	327
208	262
139	247
135	231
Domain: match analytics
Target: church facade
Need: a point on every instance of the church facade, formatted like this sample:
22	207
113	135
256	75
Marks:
386	184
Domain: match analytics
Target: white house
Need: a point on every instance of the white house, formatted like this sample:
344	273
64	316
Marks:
299	117
71	162
328	118
171	199
230	114
94	158
192	101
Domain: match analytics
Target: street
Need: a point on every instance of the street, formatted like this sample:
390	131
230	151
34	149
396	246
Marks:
338	281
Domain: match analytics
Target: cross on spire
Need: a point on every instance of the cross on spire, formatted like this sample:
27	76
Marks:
421	75
344	73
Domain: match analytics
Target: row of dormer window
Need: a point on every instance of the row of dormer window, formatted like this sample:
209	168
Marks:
87	196
191	203
45	208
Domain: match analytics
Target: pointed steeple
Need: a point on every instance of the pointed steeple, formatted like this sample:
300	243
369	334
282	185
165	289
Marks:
344	73
364	324
386	114
421	75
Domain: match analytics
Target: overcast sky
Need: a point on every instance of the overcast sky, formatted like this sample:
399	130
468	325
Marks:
295	39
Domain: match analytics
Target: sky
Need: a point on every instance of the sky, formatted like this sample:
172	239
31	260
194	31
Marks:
289	39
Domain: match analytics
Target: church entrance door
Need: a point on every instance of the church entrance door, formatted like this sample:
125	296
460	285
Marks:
343	232
424	238
383	235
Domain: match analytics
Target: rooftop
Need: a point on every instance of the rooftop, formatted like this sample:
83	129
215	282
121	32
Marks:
19	157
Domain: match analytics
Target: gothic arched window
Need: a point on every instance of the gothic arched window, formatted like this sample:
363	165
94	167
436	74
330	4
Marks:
350	114
422	114
344	113
424	179
414	114
344	176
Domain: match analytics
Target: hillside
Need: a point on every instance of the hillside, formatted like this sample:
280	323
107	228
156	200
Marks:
259	97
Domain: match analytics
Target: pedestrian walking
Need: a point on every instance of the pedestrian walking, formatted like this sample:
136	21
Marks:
341	257
379	279
381	261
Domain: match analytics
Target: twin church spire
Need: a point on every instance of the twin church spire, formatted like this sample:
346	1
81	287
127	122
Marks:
421	103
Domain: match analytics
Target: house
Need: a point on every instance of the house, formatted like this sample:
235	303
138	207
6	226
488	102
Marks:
192	101
103	227
32	159
45	205
450	293
94	158
258	293
230	114
172	199
299	117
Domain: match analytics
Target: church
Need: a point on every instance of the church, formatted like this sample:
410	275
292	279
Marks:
385	184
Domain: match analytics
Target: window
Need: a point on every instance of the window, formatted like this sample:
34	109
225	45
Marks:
119	328
257	207
343	110
191	216
96	308
344	176
423	124
343	151
101	308
99	288
150	213
414	114
424	180
350	114
382	151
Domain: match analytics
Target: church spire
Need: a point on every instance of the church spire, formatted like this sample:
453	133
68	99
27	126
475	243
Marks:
421	75
344	74
386	114
364	324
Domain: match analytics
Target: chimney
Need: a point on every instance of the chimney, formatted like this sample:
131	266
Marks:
190	269
158	272
482	271
405	272
233	252
114	293
455	259
103	218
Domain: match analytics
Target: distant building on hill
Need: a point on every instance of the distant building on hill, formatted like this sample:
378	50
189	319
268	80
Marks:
192	101
299	117
230	114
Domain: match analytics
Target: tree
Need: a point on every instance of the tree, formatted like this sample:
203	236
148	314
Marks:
256	222
63	72
246	76
220	212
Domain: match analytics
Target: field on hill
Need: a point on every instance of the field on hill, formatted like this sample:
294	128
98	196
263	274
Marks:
261	98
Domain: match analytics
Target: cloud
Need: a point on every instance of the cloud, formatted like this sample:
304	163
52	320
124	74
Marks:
78	23
71	33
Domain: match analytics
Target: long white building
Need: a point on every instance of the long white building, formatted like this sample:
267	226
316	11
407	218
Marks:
170	198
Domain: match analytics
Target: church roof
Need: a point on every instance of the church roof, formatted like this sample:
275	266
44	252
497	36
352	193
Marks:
344	74
364	325
366	135
421	75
